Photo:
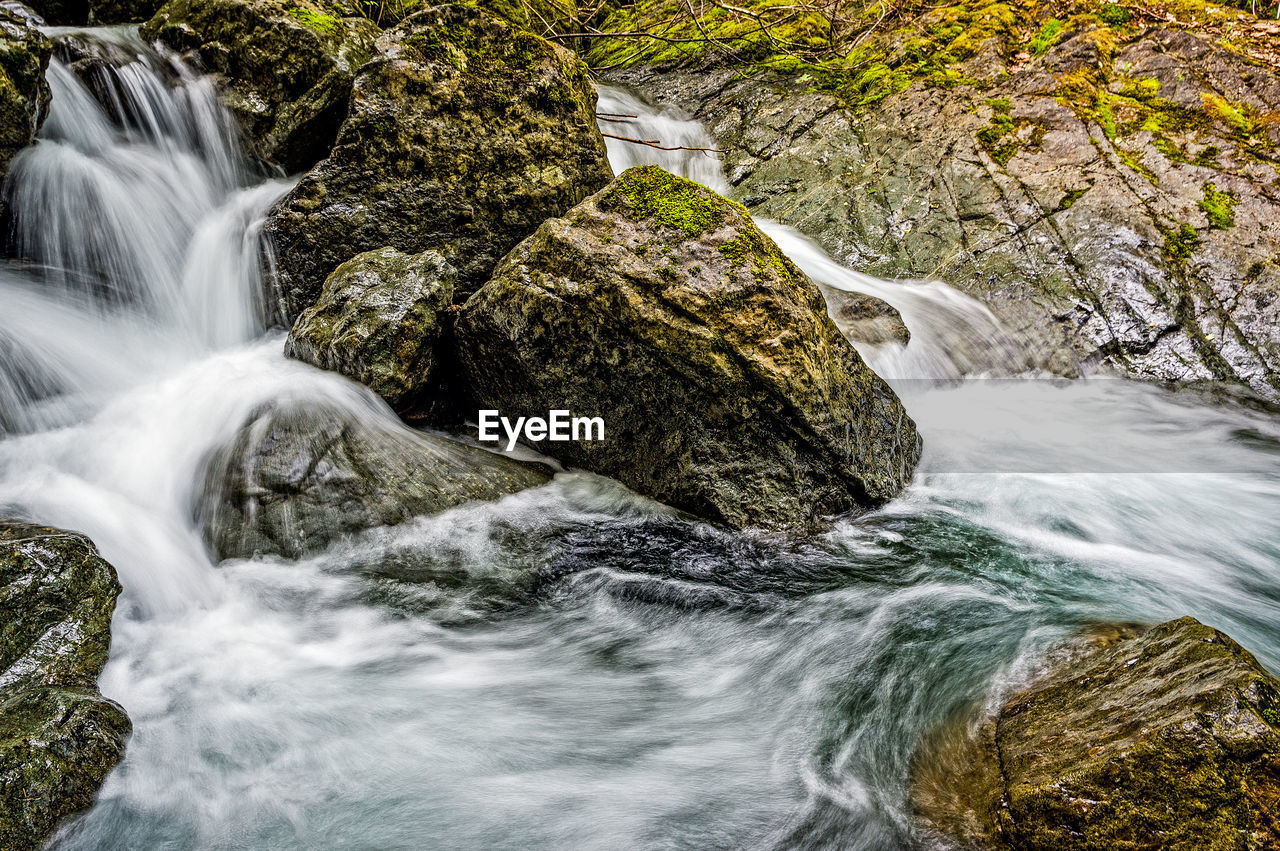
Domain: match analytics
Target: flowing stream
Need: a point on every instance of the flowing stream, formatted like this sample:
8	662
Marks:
626	678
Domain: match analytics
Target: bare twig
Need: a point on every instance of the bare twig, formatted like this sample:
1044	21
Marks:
655	143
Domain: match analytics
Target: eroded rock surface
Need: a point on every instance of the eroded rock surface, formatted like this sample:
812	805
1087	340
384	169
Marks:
726	389
59	737
464	131
298	479
1113	203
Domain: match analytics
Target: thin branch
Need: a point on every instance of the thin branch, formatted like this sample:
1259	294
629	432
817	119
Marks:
655	143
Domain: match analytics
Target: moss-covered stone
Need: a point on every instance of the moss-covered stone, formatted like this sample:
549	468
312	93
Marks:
464	131
59	738
283	67
1164	740
725	388
296	480
379	321
24	93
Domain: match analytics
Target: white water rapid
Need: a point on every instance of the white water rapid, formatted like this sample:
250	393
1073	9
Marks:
623	678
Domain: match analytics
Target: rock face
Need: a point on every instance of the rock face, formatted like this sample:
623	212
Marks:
1170	739
24	93
725	388
1112	200
379	321
284	69
59	738
463	130
297	480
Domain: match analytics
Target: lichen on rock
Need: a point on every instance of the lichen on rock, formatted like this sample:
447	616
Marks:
726	389
24	92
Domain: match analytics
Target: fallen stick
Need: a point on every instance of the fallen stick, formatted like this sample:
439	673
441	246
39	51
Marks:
655	143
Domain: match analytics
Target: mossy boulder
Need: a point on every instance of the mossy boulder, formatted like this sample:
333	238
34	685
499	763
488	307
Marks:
283	67
379	321
1169	739
295	480
725	388
464	131
59	738
24	92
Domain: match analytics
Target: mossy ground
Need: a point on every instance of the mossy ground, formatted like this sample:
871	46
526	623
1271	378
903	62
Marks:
863	51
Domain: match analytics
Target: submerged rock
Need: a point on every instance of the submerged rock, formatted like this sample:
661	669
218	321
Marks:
59	737
1170	739
1112	201
378	321
284	69
864	318
24	92
725	388
297	480
463	130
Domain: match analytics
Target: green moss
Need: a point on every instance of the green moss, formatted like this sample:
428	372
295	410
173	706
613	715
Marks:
1046	38
1114	15
1135	162
1179	243
1218	207
1006	136
321	22
649	192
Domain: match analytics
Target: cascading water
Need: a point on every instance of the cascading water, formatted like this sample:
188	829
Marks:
630	678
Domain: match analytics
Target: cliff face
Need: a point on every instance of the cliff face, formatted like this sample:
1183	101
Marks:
1108	189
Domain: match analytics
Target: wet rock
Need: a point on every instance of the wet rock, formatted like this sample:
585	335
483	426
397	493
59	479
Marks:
864	318
1170	739
59	737
284	69
1135	237
725	388
379	321
24	93
463	130
297	480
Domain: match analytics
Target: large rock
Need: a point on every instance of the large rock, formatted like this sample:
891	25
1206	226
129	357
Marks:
284	69
725	388
24	92
463	130
379	321
59	737
296	480
1170	739
1112	201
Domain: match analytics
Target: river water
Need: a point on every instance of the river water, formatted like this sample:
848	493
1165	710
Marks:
606	674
